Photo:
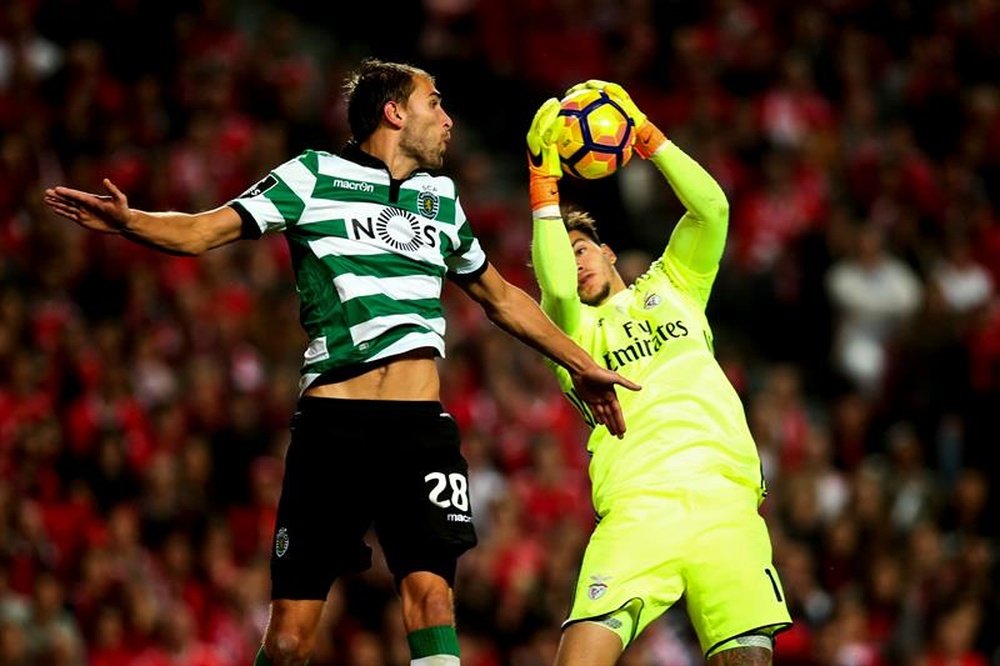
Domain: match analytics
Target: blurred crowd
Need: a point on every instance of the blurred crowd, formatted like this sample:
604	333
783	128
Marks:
145	398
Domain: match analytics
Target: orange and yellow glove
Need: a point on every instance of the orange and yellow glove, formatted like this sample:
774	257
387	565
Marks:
543	159
648	137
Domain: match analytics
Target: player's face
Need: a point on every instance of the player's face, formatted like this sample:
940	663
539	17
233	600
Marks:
595	268
427	128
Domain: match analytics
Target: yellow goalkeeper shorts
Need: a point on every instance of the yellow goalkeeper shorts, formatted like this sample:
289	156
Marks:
709	545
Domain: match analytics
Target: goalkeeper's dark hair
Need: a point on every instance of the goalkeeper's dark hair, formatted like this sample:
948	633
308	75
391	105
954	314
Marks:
367	90
580	220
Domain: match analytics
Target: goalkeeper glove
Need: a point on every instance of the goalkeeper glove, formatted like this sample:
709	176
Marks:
648	137
543	157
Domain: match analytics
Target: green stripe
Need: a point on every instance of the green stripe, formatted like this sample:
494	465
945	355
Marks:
324	229
286	201
393	335
380	265
320	310
311	161
325	189
465	238
363	308
433	641
446	207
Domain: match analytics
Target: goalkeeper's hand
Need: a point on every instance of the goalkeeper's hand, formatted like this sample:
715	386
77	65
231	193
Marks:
543	157
648	137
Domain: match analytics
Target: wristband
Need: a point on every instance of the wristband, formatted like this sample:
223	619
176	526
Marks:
648	139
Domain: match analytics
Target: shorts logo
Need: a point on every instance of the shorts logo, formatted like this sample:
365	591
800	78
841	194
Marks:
428	203
597	589
612	622
281	542
651	301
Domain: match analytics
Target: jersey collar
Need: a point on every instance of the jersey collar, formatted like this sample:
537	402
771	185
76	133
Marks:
352	151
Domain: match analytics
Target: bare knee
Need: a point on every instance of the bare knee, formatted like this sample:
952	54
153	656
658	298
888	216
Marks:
427	601
287	649
291	631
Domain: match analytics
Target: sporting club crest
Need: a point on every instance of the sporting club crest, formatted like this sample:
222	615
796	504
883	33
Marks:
281	542
428	203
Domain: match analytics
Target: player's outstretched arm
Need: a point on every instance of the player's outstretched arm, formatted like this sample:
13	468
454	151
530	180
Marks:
518	314
178	233
551	252
699	239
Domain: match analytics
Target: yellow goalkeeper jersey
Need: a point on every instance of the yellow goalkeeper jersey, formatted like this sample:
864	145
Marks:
687	426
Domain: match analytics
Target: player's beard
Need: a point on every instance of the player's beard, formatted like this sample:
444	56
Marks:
420	145
598	298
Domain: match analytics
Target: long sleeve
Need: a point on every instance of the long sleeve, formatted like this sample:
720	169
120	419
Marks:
699	239
555	270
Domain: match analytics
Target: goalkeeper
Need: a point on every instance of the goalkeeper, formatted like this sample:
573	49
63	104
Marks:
677	498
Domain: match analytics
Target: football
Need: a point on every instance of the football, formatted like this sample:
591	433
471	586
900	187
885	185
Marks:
596	136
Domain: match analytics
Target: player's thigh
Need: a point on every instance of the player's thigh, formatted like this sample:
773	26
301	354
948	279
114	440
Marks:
589	644
424	517
320	524
631	573
743	656
732	586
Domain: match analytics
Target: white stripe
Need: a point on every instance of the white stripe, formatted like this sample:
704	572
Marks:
412	341
264	213
316	351
346	247
376	326
436	660
442	186
334	165
338	247
324	210
469	262
299	178
399	288
306	380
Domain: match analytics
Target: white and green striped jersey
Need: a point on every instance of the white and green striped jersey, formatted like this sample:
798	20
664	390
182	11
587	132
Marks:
370	254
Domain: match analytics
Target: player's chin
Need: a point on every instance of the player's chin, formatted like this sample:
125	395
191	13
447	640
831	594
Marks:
435	161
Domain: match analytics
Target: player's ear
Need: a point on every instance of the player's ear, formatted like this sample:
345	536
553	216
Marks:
609	253
392	113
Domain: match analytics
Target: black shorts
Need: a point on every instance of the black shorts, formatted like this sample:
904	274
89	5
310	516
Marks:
352	464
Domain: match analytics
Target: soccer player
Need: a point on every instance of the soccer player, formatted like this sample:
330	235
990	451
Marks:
677	498
373	233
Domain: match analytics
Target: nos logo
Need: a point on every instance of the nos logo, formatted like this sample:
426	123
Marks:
399	229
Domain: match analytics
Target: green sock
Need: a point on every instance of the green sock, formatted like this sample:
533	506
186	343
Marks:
433	646
261	658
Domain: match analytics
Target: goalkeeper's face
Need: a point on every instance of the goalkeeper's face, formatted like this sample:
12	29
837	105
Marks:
427	128
595	269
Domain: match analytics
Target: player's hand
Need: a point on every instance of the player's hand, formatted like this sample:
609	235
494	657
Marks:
596	387
543	157
648	138
618	94
107	214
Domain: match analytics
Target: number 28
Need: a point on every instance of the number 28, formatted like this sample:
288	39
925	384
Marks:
459	490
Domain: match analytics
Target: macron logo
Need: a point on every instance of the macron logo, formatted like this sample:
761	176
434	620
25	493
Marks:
353	185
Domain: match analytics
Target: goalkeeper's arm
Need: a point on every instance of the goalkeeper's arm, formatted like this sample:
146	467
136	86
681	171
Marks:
551	251
699	238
